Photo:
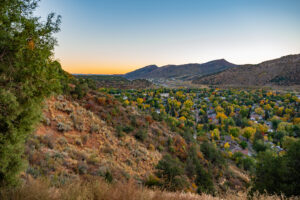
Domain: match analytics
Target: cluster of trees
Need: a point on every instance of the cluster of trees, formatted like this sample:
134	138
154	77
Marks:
175	173
278	174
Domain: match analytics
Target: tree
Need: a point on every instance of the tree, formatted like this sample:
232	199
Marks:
249	132
226	145
278	174
188	104
234	131
259	111
27	75
140	101
204	181
171	171
221	116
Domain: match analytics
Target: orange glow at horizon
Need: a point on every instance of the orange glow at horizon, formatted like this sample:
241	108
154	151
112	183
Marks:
97	68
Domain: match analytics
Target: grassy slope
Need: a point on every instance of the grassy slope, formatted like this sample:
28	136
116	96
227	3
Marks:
100	190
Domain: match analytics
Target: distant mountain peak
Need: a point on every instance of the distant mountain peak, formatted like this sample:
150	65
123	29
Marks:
150	67
219	61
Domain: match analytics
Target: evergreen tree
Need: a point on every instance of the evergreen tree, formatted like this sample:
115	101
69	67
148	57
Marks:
27	75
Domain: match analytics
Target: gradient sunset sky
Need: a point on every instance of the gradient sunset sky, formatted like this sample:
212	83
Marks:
118	36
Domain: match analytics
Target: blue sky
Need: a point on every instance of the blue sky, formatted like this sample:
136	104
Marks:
117	36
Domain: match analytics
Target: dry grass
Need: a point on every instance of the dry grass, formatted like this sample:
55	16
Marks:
100	190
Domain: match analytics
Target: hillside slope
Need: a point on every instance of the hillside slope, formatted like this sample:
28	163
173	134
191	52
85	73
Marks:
282	71
99	137
185	71
74	141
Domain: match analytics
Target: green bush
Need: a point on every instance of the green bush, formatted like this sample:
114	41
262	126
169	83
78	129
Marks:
244	144
141	135
169	167
212	154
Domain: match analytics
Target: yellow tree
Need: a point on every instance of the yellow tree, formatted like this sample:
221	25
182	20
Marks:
188	104
248	132
219	109
126	102
262	128
215	134
182	118
140	101
259	111
297	120
268	107
226	145
221	116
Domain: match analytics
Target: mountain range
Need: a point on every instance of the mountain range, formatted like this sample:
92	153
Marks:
281	71
185	71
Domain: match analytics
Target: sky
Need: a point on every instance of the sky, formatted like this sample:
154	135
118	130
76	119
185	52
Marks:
119	36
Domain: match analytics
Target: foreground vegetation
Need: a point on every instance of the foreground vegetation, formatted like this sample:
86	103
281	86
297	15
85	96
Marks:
100	190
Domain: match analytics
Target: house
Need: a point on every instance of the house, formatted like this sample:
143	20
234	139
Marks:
255	117
164	95
269	124
270	130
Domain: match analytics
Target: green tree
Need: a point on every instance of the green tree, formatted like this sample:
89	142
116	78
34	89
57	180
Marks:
27	75
172	172
204	181
278	174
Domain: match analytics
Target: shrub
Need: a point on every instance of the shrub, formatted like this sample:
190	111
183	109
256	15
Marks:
84	139
94	128
204	181
128	129
259	145
108	176
244	144
77	122
212	154
78	142
153	181
169	167
49	141
62	127
171	171
46	121
82	168
141	135
119	131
